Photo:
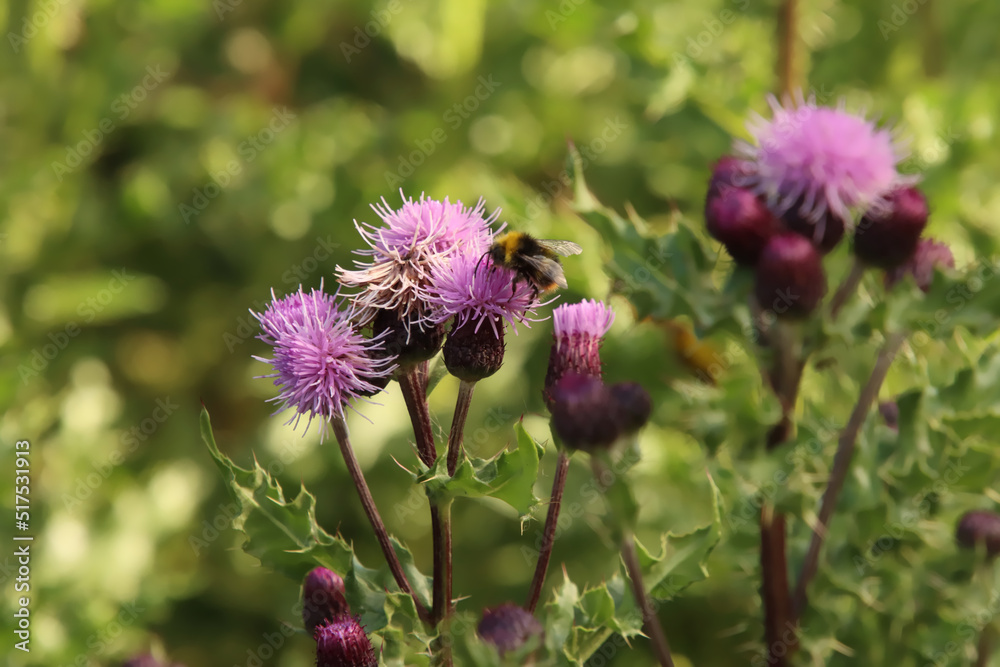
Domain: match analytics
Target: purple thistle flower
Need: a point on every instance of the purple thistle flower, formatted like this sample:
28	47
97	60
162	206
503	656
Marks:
343	643
404	250
508	627
321	362
821	161
474	291
928	256
577	332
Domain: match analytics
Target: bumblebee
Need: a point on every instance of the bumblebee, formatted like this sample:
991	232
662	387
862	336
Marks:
536	261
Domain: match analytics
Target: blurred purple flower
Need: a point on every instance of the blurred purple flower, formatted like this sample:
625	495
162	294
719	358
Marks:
930	254
320	362
821	161
404	250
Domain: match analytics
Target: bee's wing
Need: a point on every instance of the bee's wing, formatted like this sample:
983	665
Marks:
547	271
564	248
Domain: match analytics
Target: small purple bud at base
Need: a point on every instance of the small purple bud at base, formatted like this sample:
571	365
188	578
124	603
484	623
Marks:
508	627
887	237
634	405
585	415
409	342
979	527
322	598
474	355
790	281
343	643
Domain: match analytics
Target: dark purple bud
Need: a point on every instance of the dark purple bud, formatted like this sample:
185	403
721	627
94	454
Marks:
508	627
790	280
824	233
741	221
584	413
473	355
343	643
409	342
979	527
322	598
634	405
887	236
890	413
730	172
929	255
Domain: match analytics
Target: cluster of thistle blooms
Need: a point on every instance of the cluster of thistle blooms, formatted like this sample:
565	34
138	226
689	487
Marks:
782	203
425	268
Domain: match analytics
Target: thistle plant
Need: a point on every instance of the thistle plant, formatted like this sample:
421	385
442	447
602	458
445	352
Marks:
426	300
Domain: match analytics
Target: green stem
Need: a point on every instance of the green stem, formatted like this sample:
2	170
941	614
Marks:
841	466
465	389
847	288
368	503
549	538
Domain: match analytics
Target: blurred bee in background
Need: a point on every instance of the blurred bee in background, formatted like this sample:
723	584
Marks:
536	261
701	357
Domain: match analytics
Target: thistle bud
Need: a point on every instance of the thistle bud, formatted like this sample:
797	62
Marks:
824	233
979	527
410	342
343	643
585	415
890	414
508	627
790	279
472	355
322	598
929	255
730	172
577	332
741	221
887	236
634	405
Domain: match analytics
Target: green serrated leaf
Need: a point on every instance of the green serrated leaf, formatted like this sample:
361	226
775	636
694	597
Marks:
285	535
509	476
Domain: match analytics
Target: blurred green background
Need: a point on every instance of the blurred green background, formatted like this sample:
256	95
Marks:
166	163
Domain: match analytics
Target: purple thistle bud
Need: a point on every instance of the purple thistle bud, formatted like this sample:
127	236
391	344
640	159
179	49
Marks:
730	172
585	414
404	339
790	280
343	643
405	248
322	598
887	236
825	233
929	255
321	363
577	331
508	627
890	413
820	161
635	406
473	355
979	527
740	220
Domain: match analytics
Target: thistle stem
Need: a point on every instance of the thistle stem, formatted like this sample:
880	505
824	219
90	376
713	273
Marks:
774	586
787	40
841	466
985	646
651	623
368	503
847	288
412	382
465	389
549	537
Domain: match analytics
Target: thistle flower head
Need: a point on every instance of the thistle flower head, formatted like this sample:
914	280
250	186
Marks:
405	248
476	292
816	161
979	528
343	643
322	598
508	627
321	363
577	332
